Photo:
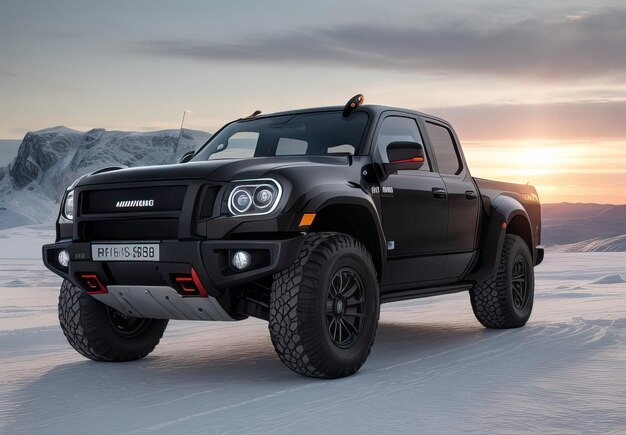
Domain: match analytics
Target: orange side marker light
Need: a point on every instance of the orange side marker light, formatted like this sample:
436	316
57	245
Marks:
307	219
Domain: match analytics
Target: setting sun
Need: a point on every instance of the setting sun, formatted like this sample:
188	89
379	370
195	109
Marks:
560	170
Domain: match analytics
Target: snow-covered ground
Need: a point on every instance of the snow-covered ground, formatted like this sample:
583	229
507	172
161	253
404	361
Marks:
433	367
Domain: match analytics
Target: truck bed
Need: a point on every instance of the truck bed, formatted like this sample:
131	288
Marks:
526	194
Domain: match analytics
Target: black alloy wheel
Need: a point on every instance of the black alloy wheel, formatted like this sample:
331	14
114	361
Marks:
126	326
345	307
519	282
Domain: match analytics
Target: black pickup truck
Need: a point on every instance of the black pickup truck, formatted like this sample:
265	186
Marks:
309	219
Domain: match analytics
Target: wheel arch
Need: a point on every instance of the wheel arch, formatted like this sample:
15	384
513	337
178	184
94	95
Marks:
519	225
357	218
507	216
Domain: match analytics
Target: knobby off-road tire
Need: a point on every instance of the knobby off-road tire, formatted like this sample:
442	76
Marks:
101	333
306	302
505	300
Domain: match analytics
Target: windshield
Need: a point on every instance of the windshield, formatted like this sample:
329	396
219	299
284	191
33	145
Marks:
307	134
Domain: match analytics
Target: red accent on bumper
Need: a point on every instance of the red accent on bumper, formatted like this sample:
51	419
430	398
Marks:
91	284
190	285
198	284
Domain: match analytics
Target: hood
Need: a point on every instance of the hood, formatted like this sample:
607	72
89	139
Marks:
213	170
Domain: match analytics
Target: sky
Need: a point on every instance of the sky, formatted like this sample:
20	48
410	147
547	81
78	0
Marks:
536	90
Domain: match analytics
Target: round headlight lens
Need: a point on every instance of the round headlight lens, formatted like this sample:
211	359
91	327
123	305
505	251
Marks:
263	197
241	201
68	207
254	197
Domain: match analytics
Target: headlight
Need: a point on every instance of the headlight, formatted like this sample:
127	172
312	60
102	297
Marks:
254	197
68	206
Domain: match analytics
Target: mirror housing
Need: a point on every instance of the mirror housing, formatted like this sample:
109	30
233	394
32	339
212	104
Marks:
404	155
186	157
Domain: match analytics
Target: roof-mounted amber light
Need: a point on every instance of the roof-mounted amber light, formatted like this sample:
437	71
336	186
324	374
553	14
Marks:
352	104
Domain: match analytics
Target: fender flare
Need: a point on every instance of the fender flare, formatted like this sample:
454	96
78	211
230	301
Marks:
503	209
352	197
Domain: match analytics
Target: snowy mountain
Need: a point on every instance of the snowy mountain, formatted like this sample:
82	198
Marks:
49	160
568	223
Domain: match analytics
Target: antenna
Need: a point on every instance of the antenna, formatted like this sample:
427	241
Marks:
180	131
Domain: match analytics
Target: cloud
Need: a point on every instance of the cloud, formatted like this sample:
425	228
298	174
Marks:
8	73
563	121
576	46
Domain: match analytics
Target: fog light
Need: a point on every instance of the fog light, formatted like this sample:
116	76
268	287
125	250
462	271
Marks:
241	260
64	258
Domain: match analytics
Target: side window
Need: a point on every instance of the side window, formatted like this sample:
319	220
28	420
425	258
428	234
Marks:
445	150
399	128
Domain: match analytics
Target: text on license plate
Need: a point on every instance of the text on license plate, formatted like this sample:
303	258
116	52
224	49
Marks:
125	252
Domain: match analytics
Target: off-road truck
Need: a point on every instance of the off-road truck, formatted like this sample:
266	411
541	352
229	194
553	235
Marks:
309	219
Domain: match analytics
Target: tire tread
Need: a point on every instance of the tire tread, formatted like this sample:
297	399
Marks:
489	298
82	326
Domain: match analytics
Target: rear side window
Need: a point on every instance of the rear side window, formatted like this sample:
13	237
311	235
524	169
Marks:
445	150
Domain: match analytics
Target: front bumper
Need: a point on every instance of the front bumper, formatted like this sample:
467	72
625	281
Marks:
209	259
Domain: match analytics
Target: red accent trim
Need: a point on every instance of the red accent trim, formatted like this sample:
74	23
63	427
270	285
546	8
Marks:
182	280
411	160
504	225
92	285
198	283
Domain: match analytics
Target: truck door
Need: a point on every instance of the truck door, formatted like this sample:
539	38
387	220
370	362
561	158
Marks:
463	202
414	212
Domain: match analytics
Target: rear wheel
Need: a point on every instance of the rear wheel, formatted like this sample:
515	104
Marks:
102	333
324	309
505	300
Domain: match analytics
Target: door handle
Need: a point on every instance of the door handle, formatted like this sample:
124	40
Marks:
440	193
470	194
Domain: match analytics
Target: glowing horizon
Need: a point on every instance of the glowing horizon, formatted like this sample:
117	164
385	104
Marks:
562	171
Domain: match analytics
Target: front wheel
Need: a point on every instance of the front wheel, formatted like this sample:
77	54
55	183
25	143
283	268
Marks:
505	300
101	333
324	309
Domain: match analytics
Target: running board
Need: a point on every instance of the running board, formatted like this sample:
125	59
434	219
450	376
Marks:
422	293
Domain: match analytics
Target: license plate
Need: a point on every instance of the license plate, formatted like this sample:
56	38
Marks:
125	252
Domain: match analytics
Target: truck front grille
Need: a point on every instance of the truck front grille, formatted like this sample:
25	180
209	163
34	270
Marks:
136	199
111	213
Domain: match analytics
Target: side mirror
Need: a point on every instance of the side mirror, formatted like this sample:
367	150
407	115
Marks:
186	157
404	155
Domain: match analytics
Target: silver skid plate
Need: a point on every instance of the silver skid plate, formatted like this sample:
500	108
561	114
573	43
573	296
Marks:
161	302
